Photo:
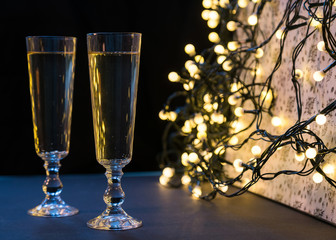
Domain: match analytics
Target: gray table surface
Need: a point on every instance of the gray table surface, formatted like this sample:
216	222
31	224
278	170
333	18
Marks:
166	213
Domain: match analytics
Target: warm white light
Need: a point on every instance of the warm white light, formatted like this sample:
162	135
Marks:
259	53
233	45
205	14
219	150
163	180
218	117
328	169
318	76
256	150
298	73
213	15
172	116
231	26
239	111
266	96
321	119
317	178
276	121
190	49
243	3
168	172
199	59
207	3
173	77
238	165
252	20
207	98
219	49
221	59
185	179
311	153
279	34
202	127
227	65
233	140
299	156
214	37
197	191
163	115
232	100
223	187
208	107
315	23
198	118
193	157
185	159
321	46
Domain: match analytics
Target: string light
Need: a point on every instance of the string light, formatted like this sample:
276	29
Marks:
173	77
207	126
190	49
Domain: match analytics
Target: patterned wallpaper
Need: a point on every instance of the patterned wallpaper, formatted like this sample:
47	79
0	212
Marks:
301	193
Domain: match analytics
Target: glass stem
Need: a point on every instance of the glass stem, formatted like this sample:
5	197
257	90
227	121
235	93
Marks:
114	195
52	185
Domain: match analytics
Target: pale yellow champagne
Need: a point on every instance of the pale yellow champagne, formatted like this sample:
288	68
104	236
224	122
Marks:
51	88
113	95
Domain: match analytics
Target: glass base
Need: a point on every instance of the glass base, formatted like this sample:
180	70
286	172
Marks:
116	219
53	209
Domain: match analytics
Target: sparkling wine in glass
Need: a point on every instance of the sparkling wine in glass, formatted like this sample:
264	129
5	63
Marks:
113	66
51	63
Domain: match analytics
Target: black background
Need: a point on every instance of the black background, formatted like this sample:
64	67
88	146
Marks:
167	26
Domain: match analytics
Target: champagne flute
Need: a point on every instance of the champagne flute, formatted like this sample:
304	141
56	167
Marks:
51	63
114	65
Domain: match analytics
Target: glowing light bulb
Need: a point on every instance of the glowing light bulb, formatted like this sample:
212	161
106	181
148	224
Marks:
232	100
276	121
223	187
218	117
279	34
197	191
201	135
227	65
163	180
259	53
219	49
299	156
231	26
221	59
213	15
233	45
163	115
219	150
321	46
253	19
173	77
256	150
185	179
207	3
328	169
315	23
238	165
202	127
318	76
243	3
198	118
199	59
185	159
214	37
233	140
172	116
317	178
298	73
321	119
239	111
205	14
190	49
168	172
266	96
193	157
311	153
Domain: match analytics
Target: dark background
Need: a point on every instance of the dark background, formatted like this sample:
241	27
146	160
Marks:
166	27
